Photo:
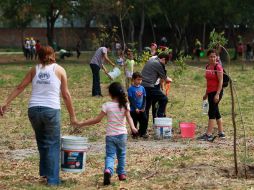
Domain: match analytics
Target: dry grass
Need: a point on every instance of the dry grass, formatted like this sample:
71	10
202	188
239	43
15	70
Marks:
169	164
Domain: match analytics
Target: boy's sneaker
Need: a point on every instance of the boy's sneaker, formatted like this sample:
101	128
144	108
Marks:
206	137
122	177
107	176
221	135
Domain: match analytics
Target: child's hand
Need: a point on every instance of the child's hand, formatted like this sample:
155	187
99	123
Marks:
134	130
3	110
73	121
137	110
142	110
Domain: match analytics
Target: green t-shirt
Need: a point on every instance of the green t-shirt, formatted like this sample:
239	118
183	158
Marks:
129	65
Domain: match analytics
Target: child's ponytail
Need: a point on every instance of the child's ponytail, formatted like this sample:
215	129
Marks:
117	91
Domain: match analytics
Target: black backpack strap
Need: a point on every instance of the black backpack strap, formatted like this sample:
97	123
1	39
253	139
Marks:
215	68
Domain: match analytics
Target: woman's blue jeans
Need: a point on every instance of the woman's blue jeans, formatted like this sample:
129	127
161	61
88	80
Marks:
46	124
116	145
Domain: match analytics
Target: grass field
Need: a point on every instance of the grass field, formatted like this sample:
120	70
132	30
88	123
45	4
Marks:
168	164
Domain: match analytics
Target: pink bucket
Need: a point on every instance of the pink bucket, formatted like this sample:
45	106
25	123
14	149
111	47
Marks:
187	129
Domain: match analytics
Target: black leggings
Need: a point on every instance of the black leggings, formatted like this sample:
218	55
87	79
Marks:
214	112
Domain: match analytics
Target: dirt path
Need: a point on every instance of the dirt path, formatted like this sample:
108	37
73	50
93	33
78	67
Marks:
99	147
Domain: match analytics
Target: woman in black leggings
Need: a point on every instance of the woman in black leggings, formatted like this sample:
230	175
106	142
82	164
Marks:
214	92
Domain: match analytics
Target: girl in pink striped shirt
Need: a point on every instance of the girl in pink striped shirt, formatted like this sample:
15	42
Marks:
117	111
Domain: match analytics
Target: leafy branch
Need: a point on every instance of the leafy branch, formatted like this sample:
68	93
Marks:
217	40
180	65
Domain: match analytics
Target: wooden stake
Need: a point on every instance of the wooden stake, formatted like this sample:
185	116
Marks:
234	124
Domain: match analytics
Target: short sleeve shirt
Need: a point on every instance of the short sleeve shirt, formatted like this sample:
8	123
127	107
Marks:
98	58
153	70
137	93
212	81
116	118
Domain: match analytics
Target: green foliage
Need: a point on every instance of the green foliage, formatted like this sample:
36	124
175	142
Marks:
217	39
143	58
180	65
108	35
198	77
16	14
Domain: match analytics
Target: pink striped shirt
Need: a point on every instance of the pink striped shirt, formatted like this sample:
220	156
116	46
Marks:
116	118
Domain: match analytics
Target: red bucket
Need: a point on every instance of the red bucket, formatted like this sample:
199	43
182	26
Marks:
187	129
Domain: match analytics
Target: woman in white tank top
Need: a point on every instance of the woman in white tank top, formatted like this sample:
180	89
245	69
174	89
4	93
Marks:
48	81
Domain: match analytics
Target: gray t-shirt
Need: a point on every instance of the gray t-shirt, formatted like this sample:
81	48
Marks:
98	58
152	70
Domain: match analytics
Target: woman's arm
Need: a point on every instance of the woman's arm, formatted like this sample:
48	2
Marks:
92	121
108	60
205	96
220	78
104	68
66	94
20	88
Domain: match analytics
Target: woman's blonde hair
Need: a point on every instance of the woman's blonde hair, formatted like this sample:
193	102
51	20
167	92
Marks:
46	55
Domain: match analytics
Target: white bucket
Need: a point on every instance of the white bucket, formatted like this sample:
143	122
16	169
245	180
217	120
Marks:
73	153
162	128
115	73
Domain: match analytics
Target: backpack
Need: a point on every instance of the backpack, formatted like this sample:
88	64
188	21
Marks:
226	78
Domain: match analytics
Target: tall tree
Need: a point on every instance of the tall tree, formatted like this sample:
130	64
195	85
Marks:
20	13
51	10
16	14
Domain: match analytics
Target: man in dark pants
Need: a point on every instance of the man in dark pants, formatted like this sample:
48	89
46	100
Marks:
152	71
96	64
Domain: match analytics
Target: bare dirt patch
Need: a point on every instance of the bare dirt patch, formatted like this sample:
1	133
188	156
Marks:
10	58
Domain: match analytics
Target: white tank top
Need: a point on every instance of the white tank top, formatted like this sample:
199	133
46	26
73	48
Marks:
45	87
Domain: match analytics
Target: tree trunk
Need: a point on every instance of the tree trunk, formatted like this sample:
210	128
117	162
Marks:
131	32
186	44
232	35
122	32
234	125
167	19
22	39
141	27
51	19
51	31
151	23
179	38
232	113
48	32
204	32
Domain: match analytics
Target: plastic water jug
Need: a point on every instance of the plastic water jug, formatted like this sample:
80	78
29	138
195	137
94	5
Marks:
205	107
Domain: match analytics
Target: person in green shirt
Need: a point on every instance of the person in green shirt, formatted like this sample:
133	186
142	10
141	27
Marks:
129	68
